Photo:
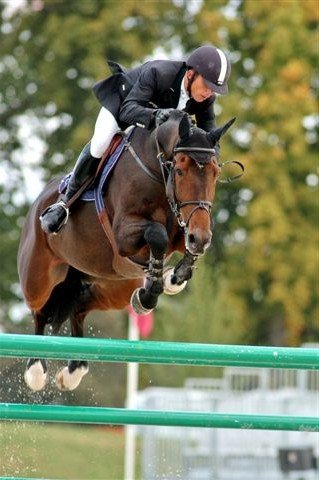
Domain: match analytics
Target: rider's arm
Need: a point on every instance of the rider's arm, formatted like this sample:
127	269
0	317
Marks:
136	108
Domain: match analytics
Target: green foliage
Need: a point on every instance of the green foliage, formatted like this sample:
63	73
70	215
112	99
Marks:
268	245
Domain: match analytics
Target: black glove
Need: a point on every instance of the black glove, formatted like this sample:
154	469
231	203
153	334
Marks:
161	115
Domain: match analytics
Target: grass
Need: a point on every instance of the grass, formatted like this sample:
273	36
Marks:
61	451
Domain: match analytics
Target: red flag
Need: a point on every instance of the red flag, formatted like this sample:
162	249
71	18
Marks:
144	322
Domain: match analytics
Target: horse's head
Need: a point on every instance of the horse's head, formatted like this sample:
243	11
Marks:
192	182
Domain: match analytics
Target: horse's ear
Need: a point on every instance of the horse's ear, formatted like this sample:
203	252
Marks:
216	134
184	128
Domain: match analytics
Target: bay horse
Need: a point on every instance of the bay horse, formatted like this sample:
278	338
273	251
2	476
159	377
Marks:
157	201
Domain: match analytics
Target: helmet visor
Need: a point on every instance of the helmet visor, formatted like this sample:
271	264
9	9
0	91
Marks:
221	88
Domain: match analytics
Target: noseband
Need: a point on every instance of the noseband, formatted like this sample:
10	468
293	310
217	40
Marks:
175	204
168	178
167	168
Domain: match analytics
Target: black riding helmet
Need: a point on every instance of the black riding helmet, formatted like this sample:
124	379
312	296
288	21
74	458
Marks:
214	66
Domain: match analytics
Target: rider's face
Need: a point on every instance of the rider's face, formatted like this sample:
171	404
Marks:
200	91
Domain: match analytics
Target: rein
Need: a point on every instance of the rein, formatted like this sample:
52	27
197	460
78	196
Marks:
168	179
167	168
152	175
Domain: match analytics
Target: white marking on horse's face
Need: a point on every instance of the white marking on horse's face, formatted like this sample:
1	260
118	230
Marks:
35	377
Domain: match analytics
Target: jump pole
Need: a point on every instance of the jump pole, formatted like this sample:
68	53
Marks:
154	352
12	345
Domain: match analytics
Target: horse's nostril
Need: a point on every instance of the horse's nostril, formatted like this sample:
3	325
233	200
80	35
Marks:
191	238
198	242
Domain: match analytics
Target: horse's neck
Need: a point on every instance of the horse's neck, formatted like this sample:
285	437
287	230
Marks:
151	149
164	139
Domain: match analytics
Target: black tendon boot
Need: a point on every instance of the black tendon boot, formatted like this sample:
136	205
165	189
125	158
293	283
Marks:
56	215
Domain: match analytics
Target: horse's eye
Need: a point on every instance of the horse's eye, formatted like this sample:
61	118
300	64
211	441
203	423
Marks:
179	172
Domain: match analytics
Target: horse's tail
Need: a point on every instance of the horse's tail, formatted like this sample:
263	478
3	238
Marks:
65	299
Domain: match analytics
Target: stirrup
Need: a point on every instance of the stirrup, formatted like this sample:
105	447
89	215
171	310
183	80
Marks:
67	214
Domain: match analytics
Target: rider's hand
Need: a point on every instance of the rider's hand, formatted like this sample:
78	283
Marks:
162	114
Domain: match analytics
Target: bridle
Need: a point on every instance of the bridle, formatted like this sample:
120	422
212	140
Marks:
167	178
167	168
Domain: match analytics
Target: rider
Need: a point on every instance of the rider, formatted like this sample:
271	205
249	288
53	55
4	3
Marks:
144	96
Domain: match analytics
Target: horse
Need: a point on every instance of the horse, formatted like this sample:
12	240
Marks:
157	201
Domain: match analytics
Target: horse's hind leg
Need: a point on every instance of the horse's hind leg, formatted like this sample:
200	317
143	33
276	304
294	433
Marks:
36	373
69	378
60	305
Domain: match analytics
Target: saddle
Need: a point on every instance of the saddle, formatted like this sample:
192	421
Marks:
106	164
92	190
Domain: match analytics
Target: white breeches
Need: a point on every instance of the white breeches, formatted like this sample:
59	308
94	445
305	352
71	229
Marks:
105	128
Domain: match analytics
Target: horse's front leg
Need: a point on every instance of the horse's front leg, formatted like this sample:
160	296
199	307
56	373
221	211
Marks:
175	278
145	299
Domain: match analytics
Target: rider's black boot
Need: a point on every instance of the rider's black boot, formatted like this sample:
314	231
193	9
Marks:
56	215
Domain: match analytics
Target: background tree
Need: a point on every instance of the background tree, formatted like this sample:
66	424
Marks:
269	248
51	53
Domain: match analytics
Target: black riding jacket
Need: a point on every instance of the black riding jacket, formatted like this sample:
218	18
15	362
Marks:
132	96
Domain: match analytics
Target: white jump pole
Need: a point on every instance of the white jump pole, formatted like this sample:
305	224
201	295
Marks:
131	389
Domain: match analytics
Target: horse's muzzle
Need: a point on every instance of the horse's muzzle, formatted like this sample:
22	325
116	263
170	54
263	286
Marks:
197	241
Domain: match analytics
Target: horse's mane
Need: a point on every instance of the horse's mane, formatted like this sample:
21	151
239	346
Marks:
167	133
178	115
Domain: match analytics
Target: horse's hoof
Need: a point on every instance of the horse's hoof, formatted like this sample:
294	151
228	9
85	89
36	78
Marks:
169	287
35	376
136	303
70	381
